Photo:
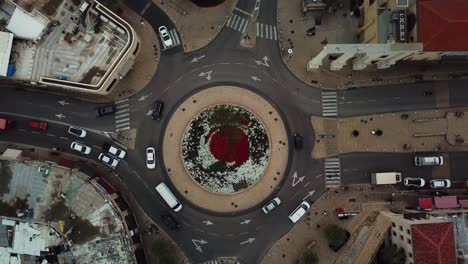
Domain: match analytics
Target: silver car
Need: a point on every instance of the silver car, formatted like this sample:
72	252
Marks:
77	132
166	38
150	158
271	205
108	160
83	149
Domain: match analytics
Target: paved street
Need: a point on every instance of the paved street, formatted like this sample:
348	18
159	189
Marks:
261	70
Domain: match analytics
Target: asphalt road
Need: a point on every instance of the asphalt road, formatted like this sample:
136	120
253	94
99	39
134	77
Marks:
207	235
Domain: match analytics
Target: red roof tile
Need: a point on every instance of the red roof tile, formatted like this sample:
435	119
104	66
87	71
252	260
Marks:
442	25
433	243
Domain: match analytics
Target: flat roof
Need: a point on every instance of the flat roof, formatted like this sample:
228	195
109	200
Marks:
25	26
6	42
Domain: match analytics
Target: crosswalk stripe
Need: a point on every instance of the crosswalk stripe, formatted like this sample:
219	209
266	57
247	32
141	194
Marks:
122	129
122	124
276	36
238	19
261	30
121	101
271	32
241	24
229	21
245	26
258	25
121	106
175	37
119	118
122	111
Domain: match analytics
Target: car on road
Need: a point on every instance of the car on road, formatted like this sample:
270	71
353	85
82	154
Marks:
429	161
440	183
170	222
108	160
150	158
297	141
83	149
105	110
299	212
165	37
114	150
157	110
271	205
414	182
38	124
77	132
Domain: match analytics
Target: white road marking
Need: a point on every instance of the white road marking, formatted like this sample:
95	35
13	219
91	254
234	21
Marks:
121	101
122	106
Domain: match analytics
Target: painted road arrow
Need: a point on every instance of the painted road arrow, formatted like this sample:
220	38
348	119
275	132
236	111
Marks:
207	222
249	241
255	78
198	244
149	112
263	61
297	180
60	116
63	102
143	97
246	221
196	59
309	194
207	75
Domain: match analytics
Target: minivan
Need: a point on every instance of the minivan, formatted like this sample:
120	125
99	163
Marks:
157	110
428	161
299	212
168	197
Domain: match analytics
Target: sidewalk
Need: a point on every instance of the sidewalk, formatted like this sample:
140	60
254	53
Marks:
423	131
339	27
291	247
197	26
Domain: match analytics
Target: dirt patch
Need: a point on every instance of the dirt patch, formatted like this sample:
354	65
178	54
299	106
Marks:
5	177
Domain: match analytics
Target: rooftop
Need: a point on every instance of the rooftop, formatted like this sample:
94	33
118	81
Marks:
433	243
442	25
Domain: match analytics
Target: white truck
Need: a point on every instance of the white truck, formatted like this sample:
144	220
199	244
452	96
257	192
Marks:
379	178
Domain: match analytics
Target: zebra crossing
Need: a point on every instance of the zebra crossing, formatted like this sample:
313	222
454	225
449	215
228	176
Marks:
329	104
122	115
210	262
332	172
175	38
237	23
266	31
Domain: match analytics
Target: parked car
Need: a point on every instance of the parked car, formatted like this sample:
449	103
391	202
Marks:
114	150
299	212
298	141
165	37
105	110
271	205
429	161
414	182
440	183
38	124
77	132
150	158
108	160
83	149
157	110
170	221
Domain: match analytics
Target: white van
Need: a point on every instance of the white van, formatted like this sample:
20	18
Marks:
386	178
428	161
169	197
299	212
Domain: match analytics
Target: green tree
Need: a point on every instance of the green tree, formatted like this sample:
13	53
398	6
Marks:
310	257
164	251
335	235
392	255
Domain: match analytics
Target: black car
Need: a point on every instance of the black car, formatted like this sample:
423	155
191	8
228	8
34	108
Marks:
297	141
105	110
170	222
157	110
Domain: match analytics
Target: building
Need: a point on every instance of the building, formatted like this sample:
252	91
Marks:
425	239
393	30
85	48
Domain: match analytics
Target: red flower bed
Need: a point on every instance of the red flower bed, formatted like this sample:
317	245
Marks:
229	144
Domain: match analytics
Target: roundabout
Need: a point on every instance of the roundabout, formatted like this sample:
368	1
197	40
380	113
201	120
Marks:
225	149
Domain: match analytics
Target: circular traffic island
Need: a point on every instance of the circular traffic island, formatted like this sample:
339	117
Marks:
225	149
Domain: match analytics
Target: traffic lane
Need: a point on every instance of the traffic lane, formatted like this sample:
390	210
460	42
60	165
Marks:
137	5
458	93
459	165
357	168
267	12
392	98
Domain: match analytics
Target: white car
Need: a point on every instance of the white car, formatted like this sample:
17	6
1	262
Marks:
166	38
83	149
271	205
150	158
108	160
115	151
442	183
299	212
77	132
